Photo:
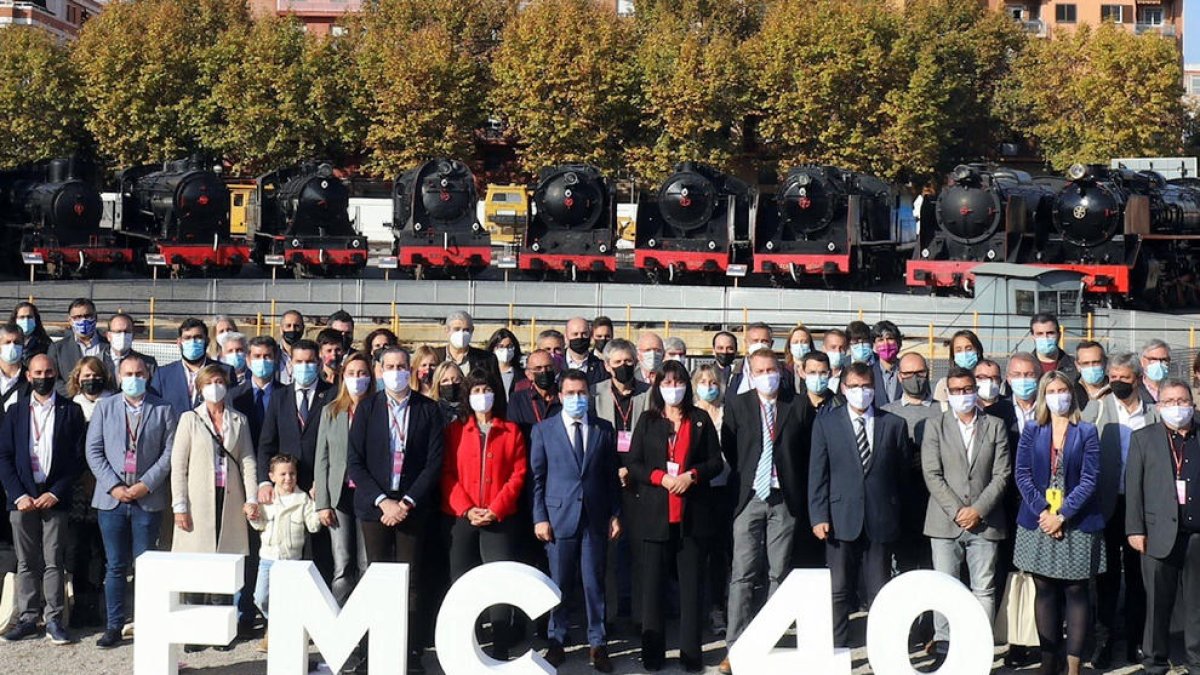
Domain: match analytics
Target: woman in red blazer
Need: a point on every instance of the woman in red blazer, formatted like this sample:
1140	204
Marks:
482	478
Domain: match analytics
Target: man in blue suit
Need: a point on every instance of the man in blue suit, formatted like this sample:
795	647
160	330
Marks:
175	383
576	509
253	399
129	443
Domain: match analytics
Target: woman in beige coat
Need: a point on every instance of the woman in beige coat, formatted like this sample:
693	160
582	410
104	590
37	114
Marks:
209	519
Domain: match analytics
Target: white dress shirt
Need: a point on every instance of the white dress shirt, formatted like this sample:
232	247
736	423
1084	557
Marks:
1023	416
41	436
1130	422
7	382
869	417
569	422
967	431
398	435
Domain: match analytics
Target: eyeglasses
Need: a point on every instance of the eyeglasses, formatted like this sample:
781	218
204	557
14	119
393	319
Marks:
959	391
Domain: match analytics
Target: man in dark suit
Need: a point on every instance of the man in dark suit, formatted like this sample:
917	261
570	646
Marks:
13	383
292	420
766	442
84	340
1162	521
175	383
887	340
576	510
725	346
253	399
395	460
855	480
120	345
579	354
460	327
41	457
539	401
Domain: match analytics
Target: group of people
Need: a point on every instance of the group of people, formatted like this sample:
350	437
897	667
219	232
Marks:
637	482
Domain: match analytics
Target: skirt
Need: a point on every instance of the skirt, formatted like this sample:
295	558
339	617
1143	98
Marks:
1077	556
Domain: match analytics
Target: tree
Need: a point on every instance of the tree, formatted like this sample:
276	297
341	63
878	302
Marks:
474	25
1097	93
565	80
149	68
41	113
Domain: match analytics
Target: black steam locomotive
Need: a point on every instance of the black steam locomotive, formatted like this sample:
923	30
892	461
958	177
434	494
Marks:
698	223
435	221
304	222
574	227
826	222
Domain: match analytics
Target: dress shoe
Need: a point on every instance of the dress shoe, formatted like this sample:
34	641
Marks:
691	665
555	654
224	648
652	662
1104	656
1019	657
414	662
110	639
725	668
192	649
600	660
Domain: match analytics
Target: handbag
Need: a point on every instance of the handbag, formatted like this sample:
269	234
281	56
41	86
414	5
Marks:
1016	623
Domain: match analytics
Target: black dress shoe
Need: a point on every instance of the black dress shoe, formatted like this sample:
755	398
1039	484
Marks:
691	665
1104	656
111	638
414	662
600	660
223	648
651	662
555	654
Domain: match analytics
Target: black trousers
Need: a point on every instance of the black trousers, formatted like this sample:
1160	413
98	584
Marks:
471	546
1163	578
687	556
846	559
1123	563
403	544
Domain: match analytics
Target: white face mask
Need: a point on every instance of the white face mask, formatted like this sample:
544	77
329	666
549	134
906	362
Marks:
755	346
651	359
213	392
860	398
504	354
988	389
1059	403
357	385
121	342
1177	416
962	403
395	381
460	339
482	403
672	395
767	383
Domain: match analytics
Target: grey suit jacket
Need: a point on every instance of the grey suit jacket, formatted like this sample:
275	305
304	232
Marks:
107	440
333	443
605	407
1103	413
66	354
954	482
1151	508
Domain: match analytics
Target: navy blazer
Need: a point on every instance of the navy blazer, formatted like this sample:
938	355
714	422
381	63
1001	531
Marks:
170	384
369	461
16	469
596	372
1081	473
243	401
281	432
565	492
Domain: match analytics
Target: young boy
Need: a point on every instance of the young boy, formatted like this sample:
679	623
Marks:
282	523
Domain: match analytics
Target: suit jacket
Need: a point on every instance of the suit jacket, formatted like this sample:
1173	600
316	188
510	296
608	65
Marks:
855	503
170	384
66	354
108	438
1102	412
954	482
594	369
333	447
648	455
370	460
604	402
482	359
281	432
742	439
1081	469
16	468
1151	508
242	399
193	482
885	394
115	377
569	495
20	389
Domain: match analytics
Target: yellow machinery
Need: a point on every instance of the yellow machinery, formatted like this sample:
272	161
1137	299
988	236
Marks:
506	213
243	205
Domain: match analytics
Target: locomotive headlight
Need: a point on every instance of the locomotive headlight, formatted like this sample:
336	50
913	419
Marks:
1077	172
831	246
604	248
991	254
962	172
417	227
712	245
924	253
536	246
652	243
803	179
770	246
476	227
295	243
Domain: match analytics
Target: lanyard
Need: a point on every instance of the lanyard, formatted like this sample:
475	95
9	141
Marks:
399	424
537	412
626	413
774	428
1177	454
39	429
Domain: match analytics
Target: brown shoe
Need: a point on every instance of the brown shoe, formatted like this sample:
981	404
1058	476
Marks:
600	660
262	645
555	654
725	668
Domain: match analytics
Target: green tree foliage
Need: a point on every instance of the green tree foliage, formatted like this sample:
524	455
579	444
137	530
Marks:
737	19
149	68
474	25
566	81
1099	93
41	112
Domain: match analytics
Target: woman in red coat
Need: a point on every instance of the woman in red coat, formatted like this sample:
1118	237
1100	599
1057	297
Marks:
483	475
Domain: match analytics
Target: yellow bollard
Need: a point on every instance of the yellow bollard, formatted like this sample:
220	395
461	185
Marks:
860	314
510	316
532	332
31	298
271	320
395	321
931	346
258	326
152	319
628	322
667	329
1090	325
975	322
1192	337
745	320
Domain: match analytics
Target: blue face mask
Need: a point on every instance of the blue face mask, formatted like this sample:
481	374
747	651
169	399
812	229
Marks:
708	392
1046	346
236	360
28	325
861	352
133	387
1093	375
379	386
1157	371
1025	388
836	359
816	384
192	350
304	373
84	327
11	353
966	359
575	405
262	368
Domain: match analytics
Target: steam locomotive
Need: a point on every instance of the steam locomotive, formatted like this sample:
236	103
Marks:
574	228
698	223
304	222
52	213
434	219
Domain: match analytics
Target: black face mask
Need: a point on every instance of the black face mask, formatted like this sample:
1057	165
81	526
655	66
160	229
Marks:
579	345
916	386
43	385
1121	390
725	359
449	392
347	340
546	380
599	346
624	373
426	379
91	387
292	336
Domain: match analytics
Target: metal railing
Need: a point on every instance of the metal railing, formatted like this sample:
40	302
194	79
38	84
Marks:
1163	29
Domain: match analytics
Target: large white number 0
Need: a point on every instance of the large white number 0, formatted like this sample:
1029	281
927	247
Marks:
908	596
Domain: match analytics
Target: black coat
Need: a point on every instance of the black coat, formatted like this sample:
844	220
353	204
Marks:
16	467
481	359
741	441
369	460
648	453
281	432
1151	508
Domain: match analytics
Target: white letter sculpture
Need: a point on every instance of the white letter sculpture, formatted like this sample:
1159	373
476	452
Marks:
804	598
909	595
493	584
302	607
164	622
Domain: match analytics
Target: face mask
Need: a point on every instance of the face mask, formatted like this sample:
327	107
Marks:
799	350
1059	404
262	368
988	389
651	360
860	397
861	352
1176	416
575	405
357	386
1157	371
672	395
1122	390
624	373
192	350
460	339
599	346
967	359
724	359
482	403
579	345
449	392
91	387
213	392
28	325
962	403
333	362
1046	346
887	352
120	342
755	346
347	341
708	392
43	385
132	386
84	327
395	381
11	353
816	384
1093	375
292	336
504	354
1025	388
836	359
236	360
304	374
560	361
545	380
426	378
916	386
767	384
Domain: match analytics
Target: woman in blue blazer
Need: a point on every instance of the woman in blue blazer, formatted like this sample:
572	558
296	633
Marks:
1060	535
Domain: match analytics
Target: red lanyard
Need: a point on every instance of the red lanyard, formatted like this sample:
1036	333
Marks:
537	413
1177	455
38	429
623	413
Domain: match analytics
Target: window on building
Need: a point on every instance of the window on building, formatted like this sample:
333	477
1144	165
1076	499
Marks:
337	31
1193	82
1113	13
1151	16
1017	12
1064	13
1024	302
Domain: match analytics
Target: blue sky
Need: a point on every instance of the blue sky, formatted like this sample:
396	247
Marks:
1191	42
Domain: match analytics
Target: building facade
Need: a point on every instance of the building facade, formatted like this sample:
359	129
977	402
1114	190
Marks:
318	16
59	17
1045	17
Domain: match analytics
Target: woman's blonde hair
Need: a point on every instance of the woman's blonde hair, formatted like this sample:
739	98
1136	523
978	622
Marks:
440	372
91	363
710	370
1042	411
209	373
344	398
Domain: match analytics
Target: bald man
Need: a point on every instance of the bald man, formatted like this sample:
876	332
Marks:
650	357
579	354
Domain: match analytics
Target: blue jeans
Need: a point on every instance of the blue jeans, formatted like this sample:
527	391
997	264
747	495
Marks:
128	532
980	555
262	588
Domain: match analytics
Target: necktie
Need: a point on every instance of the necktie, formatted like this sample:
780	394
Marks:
578	441
260	410
766	460
304	410
864	448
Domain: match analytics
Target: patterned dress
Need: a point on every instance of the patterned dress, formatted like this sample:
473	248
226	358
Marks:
1077	556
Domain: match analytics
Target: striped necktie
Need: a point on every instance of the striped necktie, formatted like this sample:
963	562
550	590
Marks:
864	448
766	461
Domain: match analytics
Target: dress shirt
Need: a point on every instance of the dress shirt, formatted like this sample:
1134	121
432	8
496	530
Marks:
284	368
1130	422
41	436
134	423
1023	417
869	417
568	422
581	365
967	431
398	433
7	382
89	350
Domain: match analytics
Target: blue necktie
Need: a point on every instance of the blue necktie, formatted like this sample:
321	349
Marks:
766	461
578	442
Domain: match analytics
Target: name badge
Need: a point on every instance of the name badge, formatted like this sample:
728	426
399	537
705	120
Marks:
131	463
1181	491
624	438
672	468
1054	497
